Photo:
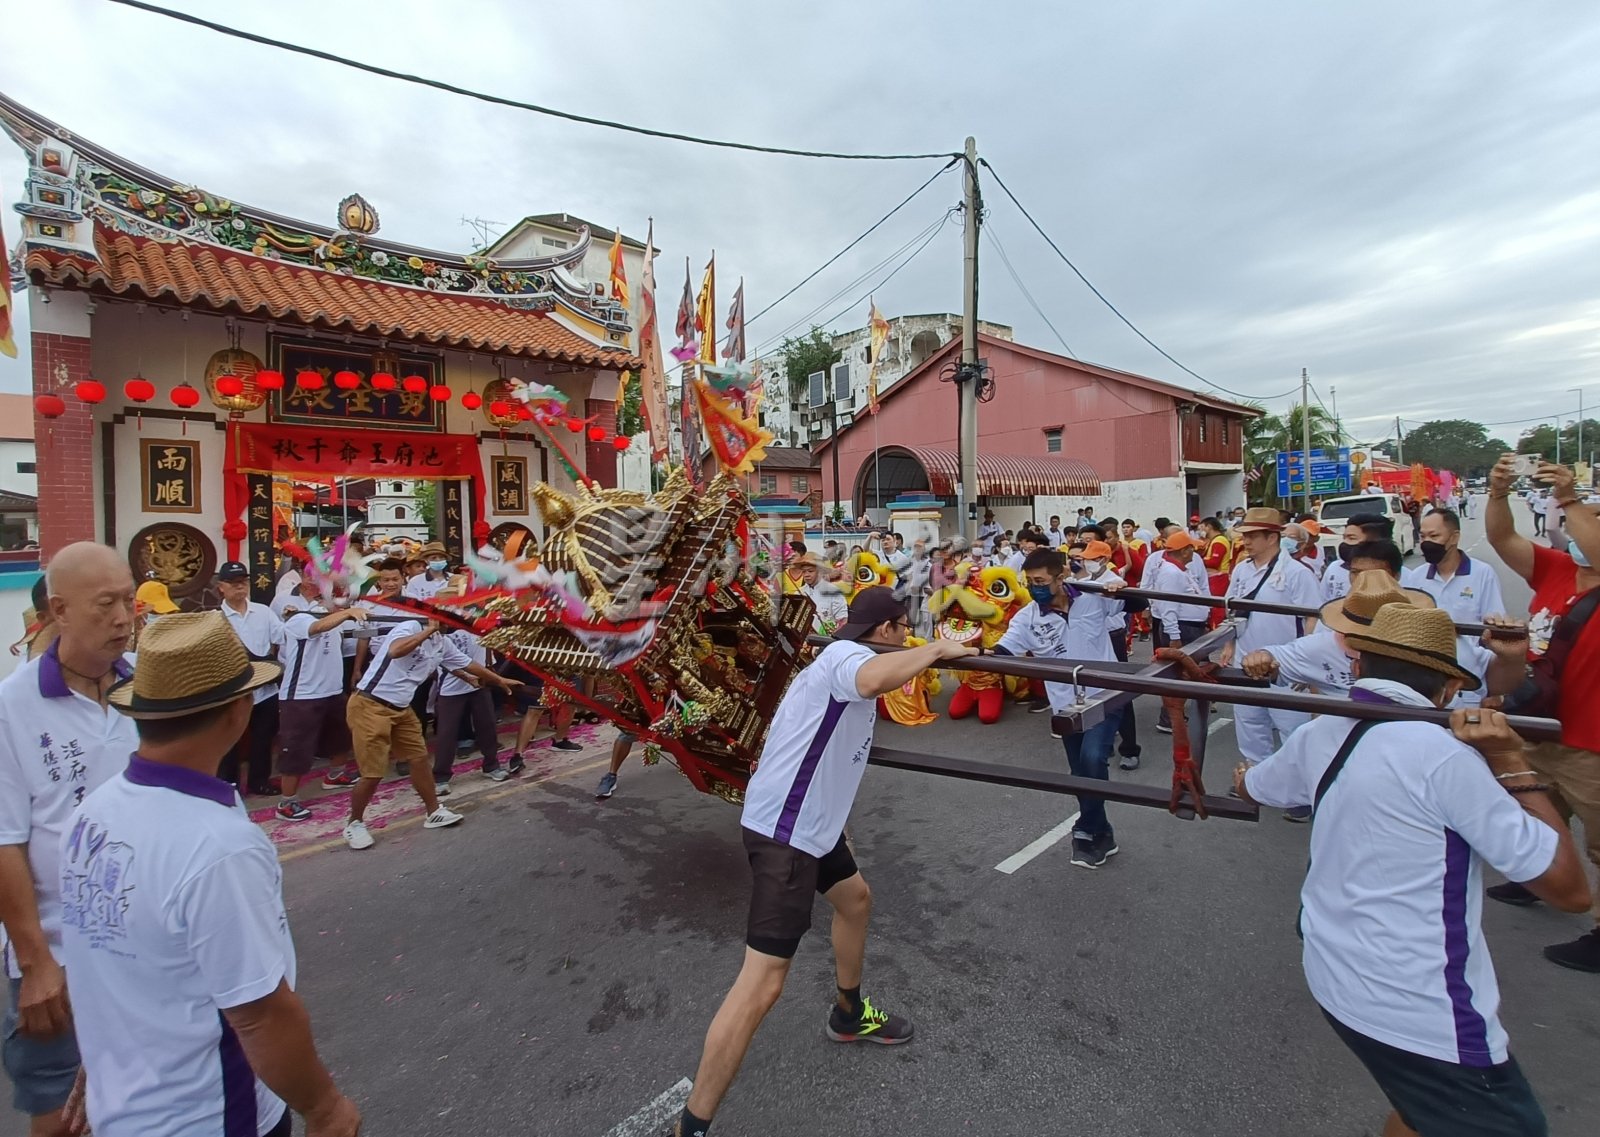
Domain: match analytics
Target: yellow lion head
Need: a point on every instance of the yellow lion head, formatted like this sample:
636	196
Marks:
864	570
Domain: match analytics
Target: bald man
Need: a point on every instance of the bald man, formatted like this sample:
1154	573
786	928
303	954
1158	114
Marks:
59	739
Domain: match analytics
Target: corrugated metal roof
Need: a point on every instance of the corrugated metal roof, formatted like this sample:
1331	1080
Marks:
1017	475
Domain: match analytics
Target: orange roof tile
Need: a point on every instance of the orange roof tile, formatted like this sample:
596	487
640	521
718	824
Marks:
224	278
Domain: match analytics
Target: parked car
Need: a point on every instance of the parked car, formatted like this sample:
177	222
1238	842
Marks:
1336	511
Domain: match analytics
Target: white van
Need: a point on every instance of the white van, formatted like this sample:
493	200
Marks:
1335	511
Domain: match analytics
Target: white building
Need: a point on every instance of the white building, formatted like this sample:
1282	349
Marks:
392	511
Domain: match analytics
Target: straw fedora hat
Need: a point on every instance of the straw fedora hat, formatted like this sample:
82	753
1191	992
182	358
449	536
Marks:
1423	636
189	662
1260	520
1369	591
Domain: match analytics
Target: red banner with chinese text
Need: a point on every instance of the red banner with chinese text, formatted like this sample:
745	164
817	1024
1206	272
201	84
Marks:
316	454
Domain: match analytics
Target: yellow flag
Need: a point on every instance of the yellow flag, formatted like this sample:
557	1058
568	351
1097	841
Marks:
877	336
705	314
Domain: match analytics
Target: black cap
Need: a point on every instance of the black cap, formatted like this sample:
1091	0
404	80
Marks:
871	607
232	570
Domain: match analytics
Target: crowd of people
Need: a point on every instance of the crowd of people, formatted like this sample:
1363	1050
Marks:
151	967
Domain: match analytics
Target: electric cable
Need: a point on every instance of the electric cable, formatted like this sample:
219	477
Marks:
994	239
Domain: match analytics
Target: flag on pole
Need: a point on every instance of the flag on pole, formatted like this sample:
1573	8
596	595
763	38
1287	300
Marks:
705	314
878	335
8	345
689	413
652	375
619	271
734	348
687	348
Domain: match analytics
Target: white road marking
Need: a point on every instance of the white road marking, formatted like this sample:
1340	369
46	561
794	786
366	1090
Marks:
655	1114
1218	723
1031	850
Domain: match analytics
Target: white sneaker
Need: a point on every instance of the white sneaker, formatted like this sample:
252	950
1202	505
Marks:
356	835
438	819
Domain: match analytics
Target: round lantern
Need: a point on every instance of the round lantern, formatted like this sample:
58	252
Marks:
346	380
230	380
439	393
139	390
229	386
523	412
382	381
575	425
620	444
185	396
49	406
269	380
415	384
89	391
499	409
308	381
472	400
597	434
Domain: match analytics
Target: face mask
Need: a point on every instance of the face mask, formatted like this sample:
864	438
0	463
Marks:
1433	551
1579	557
1344	553
1042	594
437	566
1075	563
1094	568
1005	550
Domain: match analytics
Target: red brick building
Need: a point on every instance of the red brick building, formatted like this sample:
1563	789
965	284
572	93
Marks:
786	471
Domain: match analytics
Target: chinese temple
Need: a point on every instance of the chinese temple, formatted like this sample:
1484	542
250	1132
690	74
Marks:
195	359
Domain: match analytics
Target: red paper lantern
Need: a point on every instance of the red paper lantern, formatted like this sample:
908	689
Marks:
597	434
185	396
269	380
472	400
575	425
139	390
346	380
49	406
415	384
230	386
308	381
89	391
620	443
382	381
524	413
499	408
439	393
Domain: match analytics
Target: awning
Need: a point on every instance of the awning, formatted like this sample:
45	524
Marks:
1005	475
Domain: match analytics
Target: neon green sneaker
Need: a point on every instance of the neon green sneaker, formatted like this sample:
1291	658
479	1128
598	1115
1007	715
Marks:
874	1025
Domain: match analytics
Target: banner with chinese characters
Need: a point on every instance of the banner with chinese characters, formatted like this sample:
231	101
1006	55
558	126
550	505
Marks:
452	527
509	473
259	551
169	475
397	409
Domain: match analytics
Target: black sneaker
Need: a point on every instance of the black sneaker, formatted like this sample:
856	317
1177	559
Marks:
1038	706
565	744
1164	727
873	1026
1089	853
1582	954
1129	762
1512	893
516	763
1299	814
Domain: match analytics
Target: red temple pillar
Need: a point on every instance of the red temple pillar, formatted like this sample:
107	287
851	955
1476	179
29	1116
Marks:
64	446
600	458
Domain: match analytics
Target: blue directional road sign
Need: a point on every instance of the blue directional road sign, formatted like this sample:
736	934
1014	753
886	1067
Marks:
1330	472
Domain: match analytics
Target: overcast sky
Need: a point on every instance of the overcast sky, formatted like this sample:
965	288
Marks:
1403	198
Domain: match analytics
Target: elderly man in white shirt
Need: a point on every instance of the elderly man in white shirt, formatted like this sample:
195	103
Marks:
59	740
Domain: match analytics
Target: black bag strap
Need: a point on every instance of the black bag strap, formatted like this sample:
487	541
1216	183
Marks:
1339	759
1568	628
1262	583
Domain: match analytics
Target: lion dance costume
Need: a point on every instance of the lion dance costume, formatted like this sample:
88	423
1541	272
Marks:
976	610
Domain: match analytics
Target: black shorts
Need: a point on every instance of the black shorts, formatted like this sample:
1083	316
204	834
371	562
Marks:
1446	1099
307	728
784	881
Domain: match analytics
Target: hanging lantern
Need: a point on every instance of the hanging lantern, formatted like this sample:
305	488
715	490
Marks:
523	412
439	393
414	384
231	381
499	409
575	425
382	381
597	434
620	443
139	390
49	406
229	386
269	380
346	380
185	396
472	400
309	381
89	391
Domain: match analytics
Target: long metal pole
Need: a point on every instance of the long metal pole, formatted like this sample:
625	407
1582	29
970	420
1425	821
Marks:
967	521
1399	442
833	445
1305	432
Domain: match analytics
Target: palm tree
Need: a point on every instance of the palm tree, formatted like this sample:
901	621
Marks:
1268	435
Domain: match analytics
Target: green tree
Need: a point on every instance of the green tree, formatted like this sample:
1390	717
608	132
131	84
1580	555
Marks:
1454	444
1542	440
803	355
630	415
426	495
1265	436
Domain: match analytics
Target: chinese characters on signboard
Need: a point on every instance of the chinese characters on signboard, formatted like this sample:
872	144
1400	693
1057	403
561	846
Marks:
509	478
259	548
361	405
452	526
169	474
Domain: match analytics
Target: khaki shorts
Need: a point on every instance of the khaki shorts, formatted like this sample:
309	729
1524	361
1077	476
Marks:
379	733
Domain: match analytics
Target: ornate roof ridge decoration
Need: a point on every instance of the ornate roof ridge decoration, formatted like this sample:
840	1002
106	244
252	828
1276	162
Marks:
74	186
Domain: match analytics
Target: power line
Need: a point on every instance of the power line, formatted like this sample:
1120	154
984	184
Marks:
500	100
994	239
851	245
1102	298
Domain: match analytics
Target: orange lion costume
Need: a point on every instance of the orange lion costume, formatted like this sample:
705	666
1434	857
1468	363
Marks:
976	611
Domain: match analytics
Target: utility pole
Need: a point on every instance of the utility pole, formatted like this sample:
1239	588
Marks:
1338	427
1399	442
1305	431
969	378
1579	391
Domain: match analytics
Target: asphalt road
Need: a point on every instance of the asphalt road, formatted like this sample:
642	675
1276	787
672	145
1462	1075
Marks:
550	966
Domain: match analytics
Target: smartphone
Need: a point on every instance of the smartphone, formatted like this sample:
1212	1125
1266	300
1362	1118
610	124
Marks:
1526	465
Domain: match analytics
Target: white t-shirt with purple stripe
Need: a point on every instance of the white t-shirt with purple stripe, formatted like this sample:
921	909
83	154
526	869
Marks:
1393	900
815	754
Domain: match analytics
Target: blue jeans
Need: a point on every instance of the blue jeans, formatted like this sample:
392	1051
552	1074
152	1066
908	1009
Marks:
1089	756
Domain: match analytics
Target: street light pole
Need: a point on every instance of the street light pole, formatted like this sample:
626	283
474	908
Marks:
1579	391
966	500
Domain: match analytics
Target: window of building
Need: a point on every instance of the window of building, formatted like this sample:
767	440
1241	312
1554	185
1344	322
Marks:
399	513
1202	426
25	468
553	243
399	487
1052	441
769	483
800	484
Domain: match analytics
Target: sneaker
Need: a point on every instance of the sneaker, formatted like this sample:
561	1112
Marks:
1129	762
565	744
356	835
291	810
440	818
334	779
498	774
516	764
1299	814
1512	893
1582	954
1164	727
873	1026
272	787
441	789
607	787
403	769
1106	843
1038	706
1086	853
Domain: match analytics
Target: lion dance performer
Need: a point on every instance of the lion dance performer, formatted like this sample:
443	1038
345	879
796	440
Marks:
975	611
